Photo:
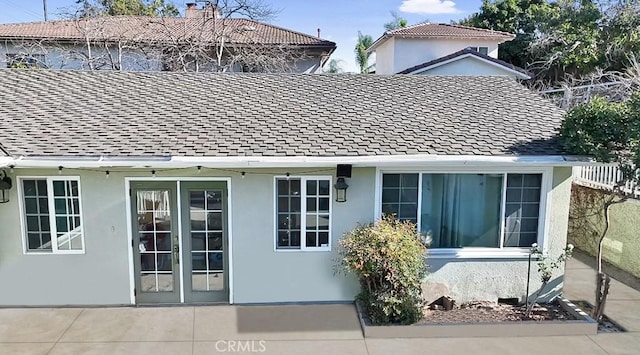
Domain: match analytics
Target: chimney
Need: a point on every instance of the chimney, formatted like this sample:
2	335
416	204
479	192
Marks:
208	11
192	10
318	32
212	11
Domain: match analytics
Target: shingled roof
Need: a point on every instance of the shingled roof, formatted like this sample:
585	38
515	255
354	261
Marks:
158	30
145	114
443	31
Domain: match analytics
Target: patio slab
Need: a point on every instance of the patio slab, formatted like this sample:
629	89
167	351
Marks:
488	346
32	325
282	347
290	322
620	343
25	348
132	324
128	348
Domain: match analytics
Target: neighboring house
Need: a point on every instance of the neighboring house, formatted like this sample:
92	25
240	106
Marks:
442	49
185	187
193	43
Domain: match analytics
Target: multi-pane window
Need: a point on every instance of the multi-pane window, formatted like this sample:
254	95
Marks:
303	216
467	210
522	209
53	221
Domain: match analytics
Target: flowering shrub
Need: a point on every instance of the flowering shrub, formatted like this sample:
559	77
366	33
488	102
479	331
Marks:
388	259
546	267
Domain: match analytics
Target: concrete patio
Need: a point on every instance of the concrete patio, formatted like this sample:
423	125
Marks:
318	329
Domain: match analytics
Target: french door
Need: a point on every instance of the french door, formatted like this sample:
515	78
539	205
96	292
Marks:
180	241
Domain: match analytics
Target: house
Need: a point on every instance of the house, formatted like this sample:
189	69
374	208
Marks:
224	187
443	49
201	41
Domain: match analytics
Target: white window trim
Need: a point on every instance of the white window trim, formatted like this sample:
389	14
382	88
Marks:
303	213
52	222
481	252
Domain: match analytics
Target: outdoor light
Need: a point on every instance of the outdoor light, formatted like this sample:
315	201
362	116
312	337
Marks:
341	190
343	171
5	186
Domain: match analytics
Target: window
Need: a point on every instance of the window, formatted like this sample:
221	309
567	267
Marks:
303	217
53	222
22	60
467	210
481	50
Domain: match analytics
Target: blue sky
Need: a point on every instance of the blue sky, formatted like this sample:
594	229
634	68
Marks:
339	21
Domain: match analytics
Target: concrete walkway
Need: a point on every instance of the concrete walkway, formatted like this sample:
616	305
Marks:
318	329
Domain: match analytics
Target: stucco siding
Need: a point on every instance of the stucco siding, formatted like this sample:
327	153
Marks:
72	57
264	275
489	279
409	52
384	56
468	66
621	246
101	276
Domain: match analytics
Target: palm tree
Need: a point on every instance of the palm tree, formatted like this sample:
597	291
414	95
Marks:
362	56
334	67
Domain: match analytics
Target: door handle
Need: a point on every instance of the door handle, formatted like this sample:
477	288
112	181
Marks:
176	250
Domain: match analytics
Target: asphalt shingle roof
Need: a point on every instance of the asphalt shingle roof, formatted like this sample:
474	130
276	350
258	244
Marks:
160	30
75	113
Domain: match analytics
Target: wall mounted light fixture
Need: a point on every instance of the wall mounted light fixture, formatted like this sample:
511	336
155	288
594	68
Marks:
5	186
343	171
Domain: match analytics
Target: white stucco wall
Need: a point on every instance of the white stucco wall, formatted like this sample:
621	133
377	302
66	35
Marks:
468	66
408	52
73	56
260	274
384	57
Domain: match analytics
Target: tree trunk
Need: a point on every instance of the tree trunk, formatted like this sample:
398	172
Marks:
602	290
602	279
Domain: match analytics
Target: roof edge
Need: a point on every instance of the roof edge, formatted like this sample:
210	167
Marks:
300	161
522	73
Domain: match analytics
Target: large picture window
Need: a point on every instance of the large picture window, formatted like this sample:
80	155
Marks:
303	213
467	210
53	222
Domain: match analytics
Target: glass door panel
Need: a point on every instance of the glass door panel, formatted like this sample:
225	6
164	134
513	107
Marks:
155	242
204	206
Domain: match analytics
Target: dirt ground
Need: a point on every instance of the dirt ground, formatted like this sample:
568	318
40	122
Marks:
488	312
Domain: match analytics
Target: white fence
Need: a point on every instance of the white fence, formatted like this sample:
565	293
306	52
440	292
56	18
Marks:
603	177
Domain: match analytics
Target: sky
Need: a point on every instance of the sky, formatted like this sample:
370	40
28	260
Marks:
338	20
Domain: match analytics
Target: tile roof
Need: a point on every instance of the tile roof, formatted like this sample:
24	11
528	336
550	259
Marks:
443	31
83	113
462	53
449	30
163	29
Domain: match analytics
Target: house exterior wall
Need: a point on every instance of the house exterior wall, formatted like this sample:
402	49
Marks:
384	57
489	279
467	66
101	276
621	246
408	52
73	57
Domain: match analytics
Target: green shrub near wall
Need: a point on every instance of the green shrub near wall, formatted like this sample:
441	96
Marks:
586	222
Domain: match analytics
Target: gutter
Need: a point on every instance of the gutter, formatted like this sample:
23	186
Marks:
281	162
6	161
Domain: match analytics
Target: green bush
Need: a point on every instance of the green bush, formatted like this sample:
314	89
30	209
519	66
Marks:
388	259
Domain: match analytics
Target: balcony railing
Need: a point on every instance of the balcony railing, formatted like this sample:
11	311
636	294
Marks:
603	177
